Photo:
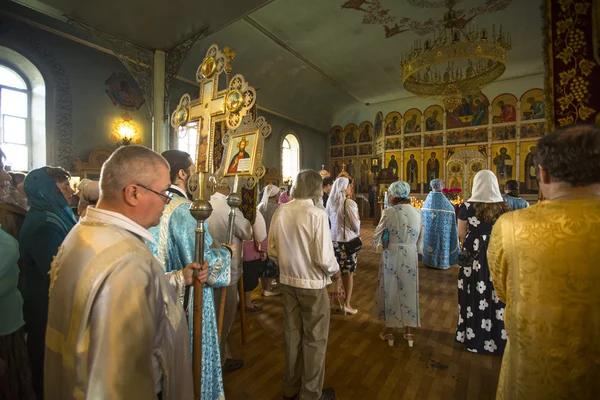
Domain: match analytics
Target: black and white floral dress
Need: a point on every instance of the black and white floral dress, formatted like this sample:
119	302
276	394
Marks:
480	312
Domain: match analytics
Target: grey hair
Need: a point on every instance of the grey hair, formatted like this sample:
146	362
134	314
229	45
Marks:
436	185
127	165
308	185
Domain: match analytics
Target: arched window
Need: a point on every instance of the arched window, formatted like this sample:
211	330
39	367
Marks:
15	139
290	157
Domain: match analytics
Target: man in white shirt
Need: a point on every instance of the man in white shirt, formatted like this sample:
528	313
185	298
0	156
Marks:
115	327
218	223
300	243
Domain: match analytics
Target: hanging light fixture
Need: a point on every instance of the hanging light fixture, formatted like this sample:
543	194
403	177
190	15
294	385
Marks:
460	59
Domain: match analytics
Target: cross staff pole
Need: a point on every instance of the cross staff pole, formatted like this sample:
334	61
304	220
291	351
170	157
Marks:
200	210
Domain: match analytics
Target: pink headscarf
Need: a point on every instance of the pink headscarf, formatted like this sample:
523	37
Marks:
284	198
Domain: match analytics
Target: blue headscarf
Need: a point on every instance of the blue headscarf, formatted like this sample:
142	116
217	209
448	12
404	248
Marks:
43	195
400	189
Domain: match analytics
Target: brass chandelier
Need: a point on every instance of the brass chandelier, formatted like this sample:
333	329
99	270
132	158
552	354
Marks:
460	60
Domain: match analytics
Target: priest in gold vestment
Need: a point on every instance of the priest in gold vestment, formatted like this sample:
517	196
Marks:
116	329
545	265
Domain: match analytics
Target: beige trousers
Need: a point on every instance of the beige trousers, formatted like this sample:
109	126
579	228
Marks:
306	321
231	306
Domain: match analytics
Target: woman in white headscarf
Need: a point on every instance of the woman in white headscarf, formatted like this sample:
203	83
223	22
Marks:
345	226
400	232
267	206
481	313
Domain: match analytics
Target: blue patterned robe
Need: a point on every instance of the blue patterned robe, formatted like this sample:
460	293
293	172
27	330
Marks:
174	249
440	239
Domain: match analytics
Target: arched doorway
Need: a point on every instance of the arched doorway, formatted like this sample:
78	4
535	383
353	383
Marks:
461	169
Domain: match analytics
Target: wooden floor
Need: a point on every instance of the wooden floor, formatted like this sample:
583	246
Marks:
359	365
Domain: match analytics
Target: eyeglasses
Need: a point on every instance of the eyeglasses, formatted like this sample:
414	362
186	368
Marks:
166	197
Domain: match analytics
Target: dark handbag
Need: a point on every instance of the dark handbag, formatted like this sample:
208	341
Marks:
466	257
355	244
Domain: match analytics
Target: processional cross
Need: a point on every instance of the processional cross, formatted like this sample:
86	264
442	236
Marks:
230	105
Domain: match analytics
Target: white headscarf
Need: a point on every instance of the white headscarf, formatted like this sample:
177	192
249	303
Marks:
485	188
337	196
270	191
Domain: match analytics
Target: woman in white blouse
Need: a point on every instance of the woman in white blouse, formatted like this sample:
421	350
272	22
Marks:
345	226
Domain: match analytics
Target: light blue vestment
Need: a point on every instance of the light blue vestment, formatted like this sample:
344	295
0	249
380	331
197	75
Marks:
440	238
174	249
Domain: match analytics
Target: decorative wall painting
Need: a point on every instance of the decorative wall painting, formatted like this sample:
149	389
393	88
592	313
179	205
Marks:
508	132
411	171
504	109
349	151
350	134
241	153
412	121
532	105
411	142
335	136
433	118
336	152
393	124
365	132
364	173
472	112
433	139
468	136
124	91
393	144
535	130
392	161
503	161
365	149
528	175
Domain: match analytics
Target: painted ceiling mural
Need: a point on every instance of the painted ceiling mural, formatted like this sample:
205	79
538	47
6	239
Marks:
375	12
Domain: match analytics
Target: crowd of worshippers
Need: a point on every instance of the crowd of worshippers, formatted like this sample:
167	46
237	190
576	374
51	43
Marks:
95	297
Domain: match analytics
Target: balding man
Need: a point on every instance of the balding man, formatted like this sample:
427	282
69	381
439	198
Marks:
115	327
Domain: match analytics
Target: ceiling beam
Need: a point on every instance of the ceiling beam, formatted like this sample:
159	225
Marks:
299	56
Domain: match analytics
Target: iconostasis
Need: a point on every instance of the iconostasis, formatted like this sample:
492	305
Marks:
421	145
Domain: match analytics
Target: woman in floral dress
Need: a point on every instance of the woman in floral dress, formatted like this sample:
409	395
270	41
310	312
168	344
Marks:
480	312
400	231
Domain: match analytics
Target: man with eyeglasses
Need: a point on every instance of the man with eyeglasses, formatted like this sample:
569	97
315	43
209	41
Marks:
173	247
116	329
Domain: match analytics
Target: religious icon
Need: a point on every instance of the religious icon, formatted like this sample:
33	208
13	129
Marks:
393	164
335	169
378	125
392	124
393	144
351	169
433	139
413	121
365	149
433	116
124	91
412	141
504	132
412	172
335	138
365	135
473	111
433	167
504	165
529	171
364	173
468	136
374	166
536	129
241	153
350	134
532	104
336	152
350	150
504	109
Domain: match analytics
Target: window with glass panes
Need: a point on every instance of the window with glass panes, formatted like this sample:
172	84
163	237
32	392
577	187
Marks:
290	157
14	115
187	139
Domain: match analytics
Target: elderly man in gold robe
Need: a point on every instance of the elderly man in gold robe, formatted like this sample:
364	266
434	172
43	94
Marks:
115	327
544	265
